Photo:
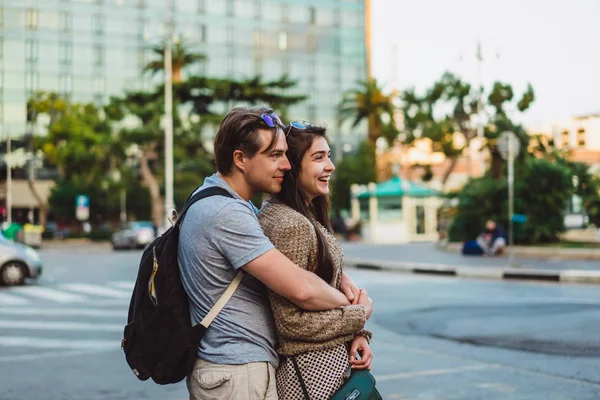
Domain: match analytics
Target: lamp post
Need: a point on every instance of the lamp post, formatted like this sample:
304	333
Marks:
8	178
169	202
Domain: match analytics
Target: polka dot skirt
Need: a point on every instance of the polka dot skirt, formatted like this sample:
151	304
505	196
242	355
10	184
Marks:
323	371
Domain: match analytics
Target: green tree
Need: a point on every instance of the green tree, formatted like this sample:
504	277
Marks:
357	168
449	106
78	140
181	58
369	103
542	191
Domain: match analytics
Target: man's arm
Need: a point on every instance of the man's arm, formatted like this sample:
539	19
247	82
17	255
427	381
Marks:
301	287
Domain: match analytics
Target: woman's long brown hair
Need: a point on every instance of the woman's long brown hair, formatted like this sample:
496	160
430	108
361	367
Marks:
299	142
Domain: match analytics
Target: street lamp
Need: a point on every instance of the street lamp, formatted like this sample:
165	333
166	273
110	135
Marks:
169	202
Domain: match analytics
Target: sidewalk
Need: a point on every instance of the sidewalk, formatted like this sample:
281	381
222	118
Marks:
427	258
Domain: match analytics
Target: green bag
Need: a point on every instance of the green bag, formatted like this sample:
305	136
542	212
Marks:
360	386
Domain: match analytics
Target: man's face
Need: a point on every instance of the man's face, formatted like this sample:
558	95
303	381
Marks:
264	172
491	225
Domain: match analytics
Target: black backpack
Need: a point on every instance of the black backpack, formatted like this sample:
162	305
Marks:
159	340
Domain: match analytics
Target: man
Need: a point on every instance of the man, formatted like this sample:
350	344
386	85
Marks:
493	239
220	235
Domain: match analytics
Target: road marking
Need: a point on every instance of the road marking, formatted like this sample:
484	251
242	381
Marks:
61	326
127	285
48	294
60	312
70	344
95	290
49	354
8	300
429	372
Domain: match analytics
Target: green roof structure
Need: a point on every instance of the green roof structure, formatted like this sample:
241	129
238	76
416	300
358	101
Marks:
398	187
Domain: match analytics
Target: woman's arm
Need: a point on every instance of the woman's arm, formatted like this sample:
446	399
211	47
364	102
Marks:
297	239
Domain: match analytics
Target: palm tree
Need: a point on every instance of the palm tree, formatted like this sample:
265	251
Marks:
367	102
180	58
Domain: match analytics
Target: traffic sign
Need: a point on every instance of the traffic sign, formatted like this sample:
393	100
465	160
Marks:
82	207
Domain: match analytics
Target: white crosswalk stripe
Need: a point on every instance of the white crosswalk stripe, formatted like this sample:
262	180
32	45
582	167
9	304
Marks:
9	300
63	312
61	326
96	290
45	293
126	285
45	343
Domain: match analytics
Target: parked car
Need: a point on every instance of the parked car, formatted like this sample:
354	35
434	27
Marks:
17	262
134	235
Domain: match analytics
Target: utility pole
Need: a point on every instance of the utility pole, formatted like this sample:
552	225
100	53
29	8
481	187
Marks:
481	164
169	202
8	178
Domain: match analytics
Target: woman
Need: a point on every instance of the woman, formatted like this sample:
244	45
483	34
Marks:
296	220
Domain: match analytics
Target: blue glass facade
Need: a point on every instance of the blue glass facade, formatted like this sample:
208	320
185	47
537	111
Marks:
91	49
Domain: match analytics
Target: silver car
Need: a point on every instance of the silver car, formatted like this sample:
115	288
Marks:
17	262
134	235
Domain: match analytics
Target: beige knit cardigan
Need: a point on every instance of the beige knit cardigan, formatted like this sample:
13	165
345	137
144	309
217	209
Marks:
298	330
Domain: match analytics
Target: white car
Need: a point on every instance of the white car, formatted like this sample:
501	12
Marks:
134	235
17	262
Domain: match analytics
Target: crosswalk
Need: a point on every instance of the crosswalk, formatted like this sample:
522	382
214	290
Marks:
68	293
62	319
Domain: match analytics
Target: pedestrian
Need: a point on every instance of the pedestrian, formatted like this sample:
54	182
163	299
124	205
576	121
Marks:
317	349
493	239
220	235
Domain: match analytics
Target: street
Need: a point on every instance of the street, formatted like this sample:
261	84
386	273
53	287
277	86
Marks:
434	337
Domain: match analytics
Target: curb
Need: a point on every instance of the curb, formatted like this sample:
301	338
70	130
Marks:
544	253
560	276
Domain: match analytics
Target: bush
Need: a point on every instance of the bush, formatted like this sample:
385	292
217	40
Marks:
542	191
101	234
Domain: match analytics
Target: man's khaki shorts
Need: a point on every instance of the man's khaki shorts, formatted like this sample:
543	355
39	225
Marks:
253	381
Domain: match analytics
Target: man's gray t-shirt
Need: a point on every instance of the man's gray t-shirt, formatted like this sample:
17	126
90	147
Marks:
218	236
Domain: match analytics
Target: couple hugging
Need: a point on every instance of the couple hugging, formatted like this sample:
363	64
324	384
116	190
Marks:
294	326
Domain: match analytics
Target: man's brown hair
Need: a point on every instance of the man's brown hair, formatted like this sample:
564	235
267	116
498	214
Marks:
239	131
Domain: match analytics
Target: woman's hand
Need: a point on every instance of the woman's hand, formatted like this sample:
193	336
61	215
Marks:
349	289
360	345
365	300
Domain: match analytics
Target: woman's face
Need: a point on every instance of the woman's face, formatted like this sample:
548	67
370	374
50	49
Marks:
316	169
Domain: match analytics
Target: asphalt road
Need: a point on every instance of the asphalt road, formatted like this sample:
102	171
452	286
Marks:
435	337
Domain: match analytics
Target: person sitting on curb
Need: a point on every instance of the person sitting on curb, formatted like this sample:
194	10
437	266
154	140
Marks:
493	239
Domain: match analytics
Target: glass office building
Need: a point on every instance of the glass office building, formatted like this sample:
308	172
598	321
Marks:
91	49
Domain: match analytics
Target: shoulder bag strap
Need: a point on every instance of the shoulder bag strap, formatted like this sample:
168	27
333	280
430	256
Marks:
304	390
211	191
212	314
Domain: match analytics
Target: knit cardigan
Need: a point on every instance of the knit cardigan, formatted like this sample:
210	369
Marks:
298	330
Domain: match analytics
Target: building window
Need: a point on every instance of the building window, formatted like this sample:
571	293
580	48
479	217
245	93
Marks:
31	50
202	33
1	48
98	55
65	84
312	15
66	52
581	137
66	21
230	11
141	3
98	24
98	85
565	138
31	18
282	41
32	80
258	66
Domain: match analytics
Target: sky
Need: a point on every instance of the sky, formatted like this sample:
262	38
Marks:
552	44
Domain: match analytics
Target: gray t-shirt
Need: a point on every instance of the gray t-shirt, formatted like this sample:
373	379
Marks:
218	236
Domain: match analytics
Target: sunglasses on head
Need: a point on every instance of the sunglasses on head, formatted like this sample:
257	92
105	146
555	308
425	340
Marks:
271	119
301	125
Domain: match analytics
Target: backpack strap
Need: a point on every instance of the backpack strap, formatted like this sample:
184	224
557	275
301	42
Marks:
211	191
212	314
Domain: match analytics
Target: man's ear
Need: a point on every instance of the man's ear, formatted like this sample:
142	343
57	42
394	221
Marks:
239	159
